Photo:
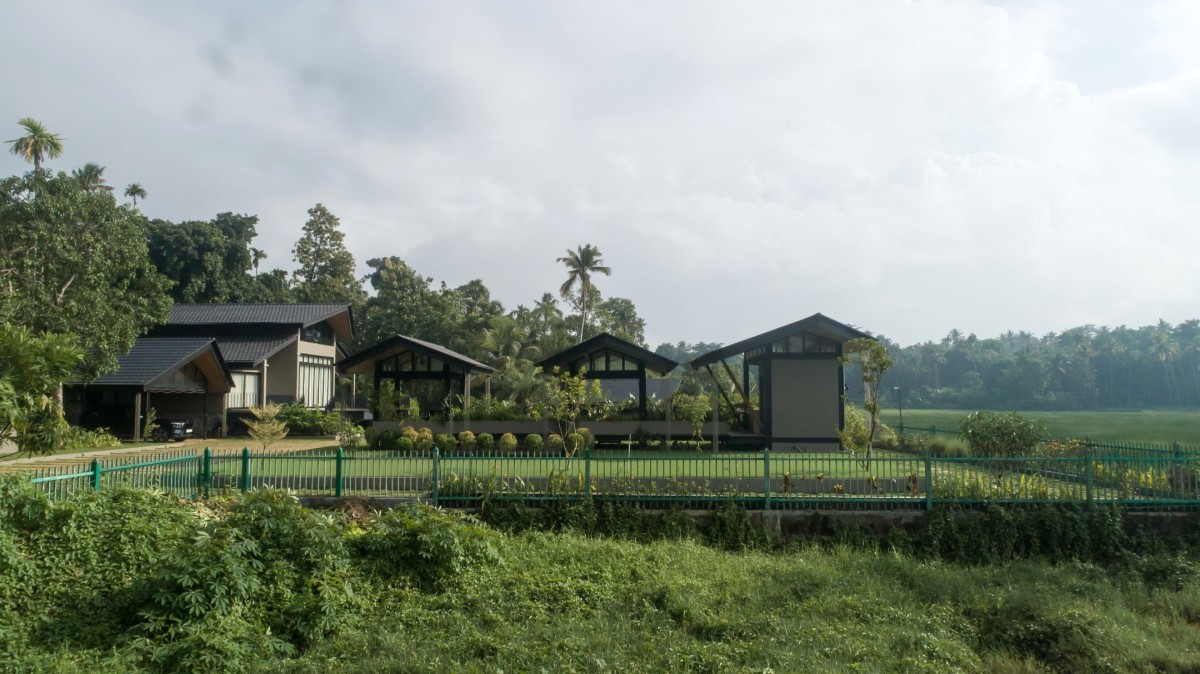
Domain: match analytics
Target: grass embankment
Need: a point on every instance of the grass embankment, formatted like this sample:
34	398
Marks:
1164	426
126	581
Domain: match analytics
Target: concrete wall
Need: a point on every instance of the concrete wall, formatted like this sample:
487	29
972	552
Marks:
283	371
805	398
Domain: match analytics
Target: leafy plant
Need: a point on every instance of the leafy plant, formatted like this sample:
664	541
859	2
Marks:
445	442
533	442
508	443
148	425
428	546
993	434
485	442
265	427
873	360
467	440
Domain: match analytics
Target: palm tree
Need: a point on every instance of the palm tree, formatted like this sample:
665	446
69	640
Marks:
37	143
581	264
91	178
259	256
135	191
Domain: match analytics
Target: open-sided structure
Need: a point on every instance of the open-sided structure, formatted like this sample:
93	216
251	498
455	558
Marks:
799	380
180	377
610	358
404	358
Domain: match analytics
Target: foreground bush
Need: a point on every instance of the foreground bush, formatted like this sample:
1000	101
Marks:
135	581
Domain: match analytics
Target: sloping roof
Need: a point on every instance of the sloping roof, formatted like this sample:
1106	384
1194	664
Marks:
401	343
252	351
654	362
817	324
217	319
283	314
153	357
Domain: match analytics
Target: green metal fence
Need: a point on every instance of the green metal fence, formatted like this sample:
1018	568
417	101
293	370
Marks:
888	480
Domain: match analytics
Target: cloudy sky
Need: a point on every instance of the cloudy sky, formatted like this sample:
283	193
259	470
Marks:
906	167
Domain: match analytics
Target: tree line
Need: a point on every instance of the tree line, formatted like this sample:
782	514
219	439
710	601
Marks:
1085	367
76	263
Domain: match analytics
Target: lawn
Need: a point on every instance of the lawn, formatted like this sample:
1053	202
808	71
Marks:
1162	426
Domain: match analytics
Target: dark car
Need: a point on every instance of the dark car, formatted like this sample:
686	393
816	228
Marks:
171	429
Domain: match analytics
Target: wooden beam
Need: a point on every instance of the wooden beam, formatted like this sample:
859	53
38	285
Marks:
732	378
718	381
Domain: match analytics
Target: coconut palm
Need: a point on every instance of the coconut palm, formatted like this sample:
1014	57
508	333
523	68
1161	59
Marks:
91	178
581	264
37	143
135	191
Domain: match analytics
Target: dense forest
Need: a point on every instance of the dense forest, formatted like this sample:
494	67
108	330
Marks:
1086	367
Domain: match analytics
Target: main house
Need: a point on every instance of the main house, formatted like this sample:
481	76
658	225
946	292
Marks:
271	353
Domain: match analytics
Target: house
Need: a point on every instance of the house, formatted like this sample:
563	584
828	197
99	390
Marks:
797	374
179	377
239	355
620	366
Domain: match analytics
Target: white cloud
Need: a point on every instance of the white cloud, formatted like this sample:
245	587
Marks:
907	167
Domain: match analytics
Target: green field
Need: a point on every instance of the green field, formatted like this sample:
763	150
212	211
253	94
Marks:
1165	426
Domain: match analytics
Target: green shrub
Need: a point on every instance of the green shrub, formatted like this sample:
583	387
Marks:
732	529
445	442
404	444
303	420
410	433
533	442
1001	435
574	442
554	442
485	442
81	438
386	440
423	441
428	546
589	438
508	443
467	440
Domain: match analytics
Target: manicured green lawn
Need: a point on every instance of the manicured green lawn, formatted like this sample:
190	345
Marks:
1165	426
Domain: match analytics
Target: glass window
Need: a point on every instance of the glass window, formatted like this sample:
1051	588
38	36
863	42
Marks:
316	380
245	390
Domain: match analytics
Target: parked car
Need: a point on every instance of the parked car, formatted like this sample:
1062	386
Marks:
171	429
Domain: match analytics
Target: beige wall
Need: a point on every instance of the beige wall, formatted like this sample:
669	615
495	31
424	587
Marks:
805	399
313	349
283	369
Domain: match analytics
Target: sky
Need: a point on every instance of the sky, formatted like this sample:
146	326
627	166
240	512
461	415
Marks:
905	167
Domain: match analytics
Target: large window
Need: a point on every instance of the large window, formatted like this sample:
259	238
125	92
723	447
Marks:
316	380
245	390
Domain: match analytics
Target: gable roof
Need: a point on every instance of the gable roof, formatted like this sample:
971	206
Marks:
252	351
402	343
339	314
818	324
151	358
653	361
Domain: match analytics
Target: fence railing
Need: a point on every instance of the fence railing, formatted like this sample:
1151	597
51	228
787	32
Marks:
765	480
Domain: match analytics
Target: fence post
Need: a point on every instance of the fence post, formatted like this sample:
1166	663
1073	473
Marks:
96	474
1087	456
433	485
245	469
766	478
206	474
928	479
587	471
339	472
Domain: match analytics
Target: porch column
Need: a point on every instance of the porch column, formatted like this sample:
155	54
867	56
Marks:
467	401
137	416
262	390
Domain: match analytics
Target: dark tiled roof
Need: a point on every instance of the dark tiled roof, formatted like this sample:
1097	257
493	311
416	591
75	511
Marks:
280	314
152	357
250	351
817	323
654	362
402	343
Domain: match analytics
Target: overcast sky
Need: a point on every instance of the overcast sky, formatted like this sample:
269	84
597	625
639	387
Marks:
906	167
